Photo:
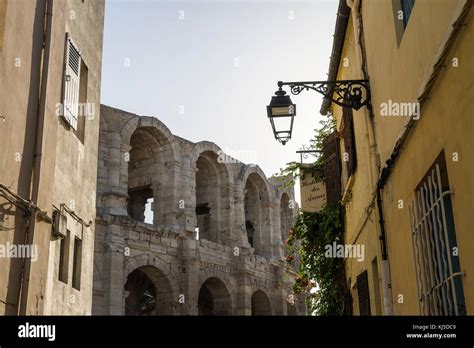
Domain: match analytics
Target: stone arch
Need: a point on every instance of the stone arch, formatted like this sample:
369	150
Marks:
257	214
143	260
149	168
222	274
148	292
286	215
261	303
210	192
214	298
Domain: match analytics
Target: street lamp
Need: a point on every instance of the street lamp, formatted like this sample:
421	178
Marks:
353	94
281	113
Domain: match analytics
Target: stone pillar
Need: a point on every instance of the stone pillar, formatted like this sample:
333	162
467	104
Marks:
171	203
187	215
113	271
114	159
115	199
190	278
277	242
239	232
243	305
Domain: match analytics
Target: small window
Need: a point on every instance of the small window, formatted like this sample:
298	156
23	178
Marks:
350	155
402	10
64	258
71	83
363	293
77	263
406	8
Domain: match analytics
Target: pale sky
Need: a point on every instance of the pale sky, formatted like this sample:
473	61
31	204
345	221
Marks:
208	68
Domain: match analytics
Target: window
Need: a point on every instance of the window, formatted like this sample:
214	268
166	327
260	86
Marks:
402	10
77	263
406	8
350	155
363	293
64	258
438	273
71	83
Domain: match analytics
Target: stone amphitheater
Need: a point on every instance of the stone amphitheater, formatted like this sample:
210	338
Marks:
214	244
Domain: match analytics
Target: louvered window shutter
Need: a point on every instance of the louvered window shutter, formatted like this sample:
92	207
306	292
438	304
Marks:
363	293
349	140
71	85
332	168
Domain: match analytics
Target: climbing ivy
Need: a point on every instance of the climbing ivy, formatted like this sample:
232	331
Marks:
307	240
320	276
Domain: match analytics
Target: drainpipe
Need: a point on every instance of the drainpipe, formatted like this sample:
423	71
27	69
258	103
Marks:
38	148
355	6
384	269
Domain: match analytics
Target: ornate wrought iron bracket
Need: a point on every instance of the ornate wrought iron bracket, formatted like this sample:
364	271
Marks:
345	93
304	153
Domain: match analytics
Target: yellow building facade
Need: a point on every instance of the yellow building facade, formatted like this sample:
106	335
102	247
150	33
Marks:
409	183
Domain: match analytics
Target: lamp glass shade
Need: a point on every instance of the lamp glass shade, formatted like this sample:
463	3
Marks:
281	112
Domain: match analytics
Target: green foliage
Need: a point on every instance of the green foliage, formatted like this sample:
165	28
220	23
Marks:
309	236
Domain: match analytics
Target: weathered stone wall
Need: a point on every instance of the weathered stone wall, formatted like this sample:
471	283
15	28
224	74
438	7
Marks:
162	268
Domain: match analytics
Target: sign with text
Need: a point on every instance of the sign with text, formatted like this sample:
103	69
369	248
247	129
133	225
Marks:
313	193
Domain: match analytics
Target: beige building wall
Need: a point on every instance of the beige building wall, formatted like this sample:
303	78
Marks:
65	170
358	188
399	72
14	79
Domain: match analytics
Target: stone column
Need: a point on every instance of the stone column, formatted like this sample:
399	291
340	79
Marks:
190	278
243	305
114	159
113	270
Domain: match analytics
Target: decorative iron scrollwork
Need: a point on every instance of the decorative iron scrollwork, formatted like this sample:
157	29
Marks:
345	93
306	152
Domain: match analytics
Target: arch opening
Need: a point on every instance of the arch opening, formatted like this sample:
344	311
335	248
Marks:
261	304
214	298
149	292
211	188
150	178
257	213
